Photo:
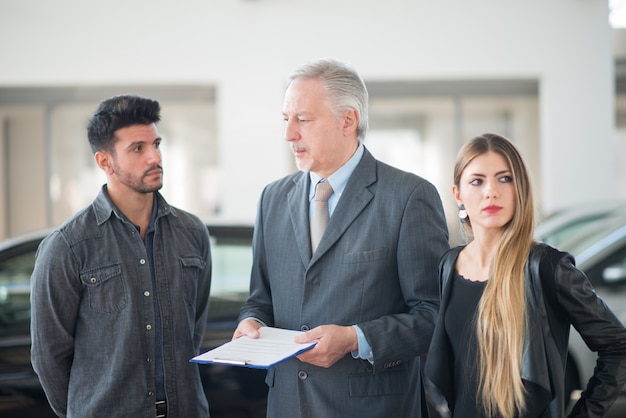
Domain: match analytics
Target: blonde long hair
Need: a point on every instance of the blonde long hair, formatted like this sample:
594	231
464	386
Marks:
501	318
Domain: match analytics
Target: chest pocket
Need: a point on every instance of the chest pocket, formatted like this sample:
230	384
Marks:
106	288
365	256
191	268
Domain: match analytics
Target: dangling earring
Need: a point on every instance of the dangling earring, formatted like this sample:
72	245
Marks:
462	214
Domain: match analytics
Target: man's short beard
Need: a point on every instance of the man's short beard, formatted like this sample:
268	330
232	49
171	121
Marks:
306	167
147	189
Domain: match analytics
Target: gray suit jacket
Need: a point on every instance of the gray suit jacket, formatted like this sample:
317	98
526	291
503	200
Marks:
376	266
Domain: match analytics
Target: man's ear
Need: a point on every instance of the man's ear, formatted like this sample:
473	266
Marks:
104	161
350	122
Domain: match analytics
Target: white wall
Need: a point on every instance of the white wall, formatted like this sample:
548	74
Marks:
246	48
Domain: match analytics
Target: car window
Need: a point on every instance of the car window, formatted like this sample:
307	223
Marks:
231	252
561	226
563	232
610	270
587	241
15	293
231	268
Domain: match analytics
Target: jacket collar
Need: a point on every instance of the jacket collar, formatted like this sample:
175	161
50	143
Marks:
354	199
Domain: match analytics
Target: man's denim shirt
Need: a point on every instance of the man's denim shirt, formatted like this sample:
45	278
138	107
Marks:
93	313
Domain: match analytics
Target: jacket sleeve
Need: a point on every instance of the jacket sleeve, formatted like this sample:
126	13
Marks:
603	333
422	240
259	304
55	295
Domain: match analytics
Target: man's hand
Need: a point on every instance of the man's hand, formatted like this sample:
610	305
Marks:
333	343
249	327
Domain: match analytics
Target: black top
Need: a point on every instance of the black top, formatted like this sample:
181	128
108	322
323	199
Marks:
461	330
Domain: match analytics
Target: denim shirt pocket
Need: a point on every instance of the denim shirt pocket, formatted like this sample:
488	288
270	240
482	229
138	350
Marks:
106	288
191	267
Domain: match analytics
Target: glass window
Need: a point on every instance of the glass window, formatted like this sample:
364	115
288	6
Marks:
50	173
420	126
231	268
15	274
189	148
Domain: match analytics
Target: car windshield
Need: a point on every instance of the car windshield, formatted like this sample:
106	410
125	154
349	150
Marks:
564	226
564	232
15	293
231	256
585	236
231	268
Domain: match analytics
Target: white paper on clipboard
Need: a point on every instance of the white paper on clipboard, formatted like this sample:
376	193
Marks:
273	346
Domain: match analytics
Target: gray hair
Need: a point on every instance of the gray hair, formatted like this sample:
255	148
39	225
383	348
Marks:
344	87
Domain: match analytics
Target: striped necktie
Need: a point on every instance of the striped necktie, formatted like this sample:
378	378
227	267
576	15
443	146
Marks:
319	214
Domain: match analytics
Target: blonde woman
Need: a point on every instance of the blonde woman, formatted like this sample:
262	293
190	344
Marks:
500	342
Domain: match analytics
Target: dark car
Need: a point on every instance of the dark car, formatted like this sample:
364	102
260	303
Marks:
232	392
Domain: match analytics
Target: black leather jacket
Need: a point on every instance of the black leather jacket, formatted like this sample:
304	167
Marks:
557	295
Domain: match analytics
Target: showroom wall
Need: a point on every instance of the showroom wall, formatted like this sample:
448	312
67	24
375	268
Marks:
245	48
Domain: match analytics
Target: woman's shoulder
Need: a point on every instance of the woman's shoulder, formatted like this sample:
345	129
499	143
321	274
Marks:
551	269
546	254
451	254
448	261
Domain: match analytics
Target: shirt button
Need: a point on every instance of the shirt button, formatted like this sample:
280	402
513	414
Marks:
93	280
148	327
302	375
304	328
150	393
146	293
142	261
149	360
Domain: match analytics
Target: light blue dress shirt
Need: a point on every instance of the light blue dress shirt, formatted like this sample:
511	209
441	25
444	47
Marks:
337	180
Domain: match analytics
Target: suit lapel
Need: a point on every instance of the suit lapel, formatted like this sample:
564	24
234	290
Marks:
298	203
354	199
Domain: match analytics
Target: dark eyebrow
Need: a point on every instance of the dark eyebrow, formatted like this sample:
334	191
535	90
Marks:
135	143
499	173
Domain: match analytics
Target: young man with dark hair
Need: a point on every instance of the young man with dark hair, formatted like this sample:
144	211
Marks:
120	292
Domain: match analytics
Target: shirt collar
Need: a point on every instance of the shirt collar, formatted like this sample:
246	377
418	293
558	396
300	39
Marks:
339	178
104	207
